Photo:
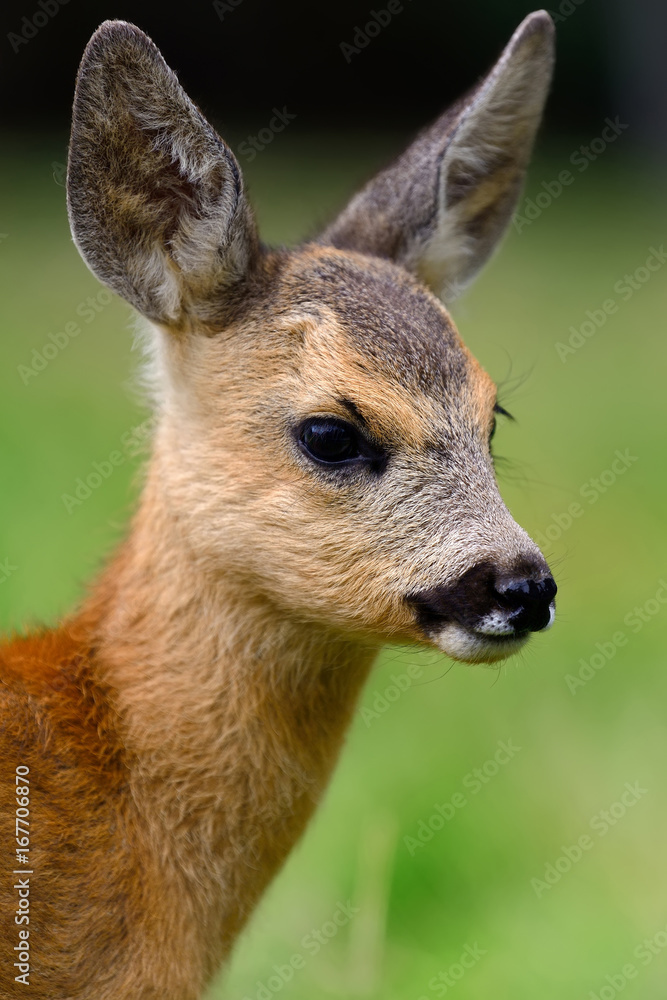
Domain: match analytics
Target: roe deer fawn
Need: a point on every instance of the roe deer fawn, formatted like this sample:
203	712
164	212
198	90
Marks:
320	483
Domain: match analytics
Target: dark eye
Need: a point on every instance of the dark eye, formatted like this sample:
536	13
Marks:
329	440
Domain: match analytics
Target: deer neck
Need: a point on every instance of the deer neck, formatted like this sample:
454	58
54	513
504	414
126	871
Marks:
232	714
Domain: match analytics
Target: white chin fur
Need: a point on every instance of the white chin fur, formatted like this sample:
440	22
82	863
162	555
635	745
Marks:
472	647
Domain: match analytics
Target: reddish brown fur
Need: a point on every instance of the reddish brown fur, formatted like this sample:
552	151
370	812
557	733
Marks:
122	870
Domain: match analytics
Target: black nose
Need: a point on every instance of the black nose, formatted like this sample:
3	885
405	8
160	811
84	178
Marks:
528	599
490	601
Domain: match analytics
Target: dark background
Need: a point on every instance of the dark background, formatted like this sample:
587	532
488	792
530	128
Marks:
238	64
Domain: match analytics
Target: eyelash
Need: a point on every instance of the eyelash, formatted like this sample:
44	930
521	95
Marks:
502	412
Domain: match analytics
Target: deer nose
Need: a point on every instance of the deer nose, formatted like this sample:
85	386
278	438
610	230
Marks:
491	601
528	600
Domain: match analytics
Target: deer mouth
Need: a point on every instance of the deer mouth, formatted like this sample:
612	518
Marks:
486	616
492	639
472	646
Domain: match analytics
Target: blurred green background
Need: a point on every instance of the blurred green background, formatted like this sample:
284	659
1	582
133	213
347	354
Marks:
478	886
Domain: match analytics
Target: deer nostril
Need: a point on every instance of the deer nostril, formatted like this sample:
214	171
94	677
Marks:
549	588
530	600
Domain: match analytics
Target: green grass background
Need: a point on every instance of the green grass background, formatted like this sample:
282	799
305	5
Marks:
471	884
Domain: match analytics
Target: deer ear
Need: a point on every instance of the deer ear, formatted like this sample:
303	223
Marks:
155	197
443	206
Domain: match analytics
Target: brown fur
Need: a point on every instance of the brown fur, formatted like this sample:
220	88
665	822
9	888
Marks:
181	726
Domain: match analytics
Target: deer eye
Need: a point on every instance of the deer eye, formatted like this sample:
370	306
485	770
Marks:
331	441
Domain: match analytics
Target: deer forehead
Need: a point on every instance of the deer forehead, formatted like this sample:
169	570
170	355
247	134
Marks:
332	326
